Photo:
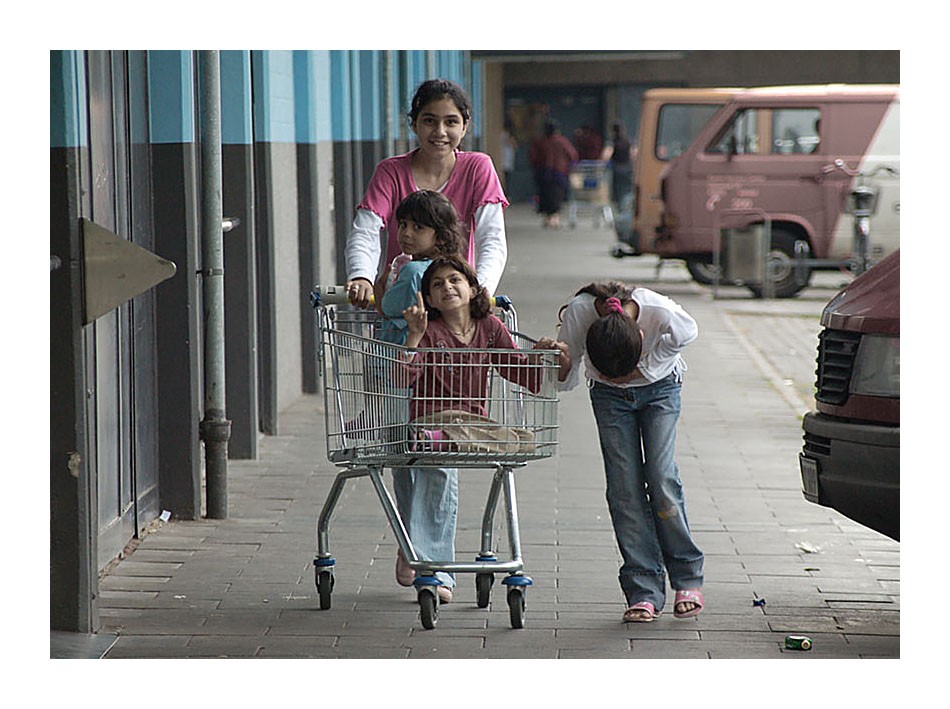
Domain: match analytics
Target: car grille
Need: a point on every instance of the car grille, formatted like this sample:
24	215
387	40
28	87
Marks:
836	351
816	445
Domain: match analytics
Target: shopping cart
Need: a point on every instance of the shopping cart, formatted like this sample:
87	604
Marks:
588	184
380	413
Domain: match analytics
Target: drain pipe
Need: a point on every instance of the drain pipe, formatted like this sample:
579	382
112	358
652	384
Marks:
215	429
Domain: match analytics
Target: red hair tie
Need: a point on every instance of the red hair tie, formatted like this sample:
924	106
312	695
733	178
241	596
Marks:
613	306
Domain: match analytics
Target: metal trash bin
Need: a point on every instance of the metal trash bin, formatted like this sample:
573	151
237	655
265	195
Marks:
743	254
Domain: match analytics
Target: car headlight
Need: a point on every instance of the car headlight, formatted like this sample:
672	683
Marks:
877	366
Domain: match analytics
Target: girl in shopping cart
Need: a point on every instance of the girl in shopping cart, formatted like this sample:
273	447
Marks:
452	313
633	339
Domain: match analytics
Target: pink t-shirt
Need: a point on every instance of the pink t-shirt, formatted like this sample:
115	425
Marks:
472	184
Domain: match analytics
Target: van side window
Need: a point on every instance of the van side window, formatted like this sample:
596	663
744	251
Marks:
678	125
795	130
740	136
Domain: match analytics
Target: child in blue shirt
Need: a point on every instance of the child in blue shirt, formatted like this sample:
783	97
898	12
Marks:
427	498
428	227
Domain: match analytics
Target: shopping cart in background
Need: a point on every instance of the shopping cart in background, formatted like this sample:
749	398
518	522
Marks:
377	417
589	185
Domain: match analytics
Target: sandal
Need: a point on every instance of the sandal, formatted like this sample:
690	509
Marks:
642	612
689	595
405	574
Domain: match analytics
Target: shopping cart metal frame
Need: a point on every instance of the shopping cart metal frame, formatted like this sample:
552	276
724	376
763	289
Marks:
347	332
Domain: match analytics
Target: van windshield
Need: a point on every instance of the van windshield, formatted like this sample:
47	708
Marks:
678	125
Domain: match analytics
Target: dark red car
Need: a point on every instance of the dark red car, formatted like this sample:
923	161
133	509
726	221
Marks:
850	460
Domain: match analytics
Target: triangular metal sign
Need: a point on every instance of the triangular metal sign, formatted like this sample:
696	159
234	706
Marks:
116	270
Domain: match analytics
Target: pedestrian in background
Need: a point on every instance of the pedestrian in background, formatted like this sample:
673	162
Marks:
631	340
588	143
551	155
621	161
509	146
440	115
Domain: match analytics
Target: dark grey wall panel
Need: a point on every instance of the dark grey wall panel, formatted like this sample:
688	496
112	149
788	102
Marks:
73	540
266	291
240	301
177	311
309	235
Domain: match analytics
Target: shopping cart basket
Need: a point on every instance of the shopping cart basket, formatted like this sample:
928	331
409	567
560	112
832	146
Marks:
588	184
384	408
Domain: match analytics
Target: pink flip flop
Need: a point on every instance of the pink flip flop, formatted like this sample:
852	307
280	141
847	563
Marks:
642	612
688	595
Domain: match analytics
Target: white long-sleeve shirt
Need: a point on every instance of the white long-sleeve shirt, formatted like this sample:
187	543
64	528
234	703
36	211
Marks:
667	329
365	244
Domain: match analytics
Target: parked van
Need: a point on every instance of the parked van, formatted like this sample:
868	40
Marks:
789	156
670	119
850	460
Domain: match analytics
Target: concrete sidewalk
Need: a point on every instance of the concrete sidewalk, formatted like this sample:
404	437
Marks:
244	587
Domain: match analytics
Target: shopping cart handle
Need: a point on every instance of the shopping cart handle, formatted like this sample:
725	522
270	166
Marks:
322	296
503	302
329	295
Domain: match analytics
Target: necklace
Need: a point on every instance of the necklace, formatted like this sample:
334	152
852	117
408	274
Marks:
465	331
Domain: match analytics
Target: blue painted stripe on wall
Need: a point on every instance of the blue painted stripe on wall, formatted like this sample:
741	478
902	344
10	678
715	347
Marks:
68	120
356	78
273	96
320	71
312	121
236	126
418	66
303	98
171	76
370	108
477	99
340	94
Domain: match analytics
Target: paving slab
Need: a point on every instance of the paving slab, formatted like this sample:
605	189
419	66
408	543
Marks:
246	583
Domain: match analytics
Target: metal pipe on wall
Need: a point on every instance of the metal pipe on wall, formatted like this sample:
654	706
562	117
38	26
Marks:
215	429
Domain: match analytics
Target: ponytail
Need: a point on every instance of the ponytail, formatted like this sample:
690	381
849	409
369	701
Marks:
614	341
602	290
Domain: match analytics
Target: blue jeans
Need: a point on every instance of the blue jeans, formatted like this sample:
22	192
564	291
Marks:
427	500
637	428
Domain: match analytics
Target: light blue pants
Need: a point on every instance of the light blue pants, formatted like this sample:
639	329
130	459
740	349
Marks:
427	500
637	428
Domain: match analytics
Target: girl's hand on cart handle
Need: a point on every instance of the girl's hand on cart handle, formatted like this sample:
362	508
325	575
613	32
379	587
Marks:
564	355
417	319
360	292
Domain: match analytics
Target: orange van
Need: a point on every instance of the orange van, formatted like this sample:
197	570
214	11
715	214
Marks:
669	121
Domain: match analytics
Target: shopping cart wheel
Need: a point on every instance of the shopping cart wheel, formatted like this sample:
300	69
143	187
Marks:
516	606
324	588
483	584
428	607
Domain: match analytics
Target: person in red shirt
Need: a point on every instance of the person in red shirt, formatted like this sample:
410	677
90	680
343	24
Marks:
551	155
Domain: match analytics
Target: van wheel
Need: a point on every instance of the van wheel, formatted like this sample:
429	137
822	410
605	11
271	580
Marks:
785	281
702	270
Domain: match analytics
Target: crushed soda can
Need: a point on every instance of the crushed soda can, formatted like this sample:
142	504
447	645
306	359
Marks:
798	642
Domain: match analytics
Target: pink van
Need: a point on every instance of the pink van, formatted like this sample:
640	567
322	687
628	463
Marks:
788	157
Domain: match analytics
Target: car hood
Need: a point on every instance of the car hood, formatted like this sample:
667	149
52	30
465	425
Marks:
870	303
